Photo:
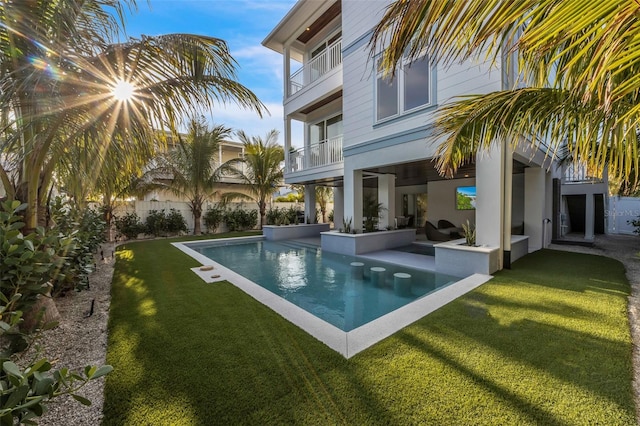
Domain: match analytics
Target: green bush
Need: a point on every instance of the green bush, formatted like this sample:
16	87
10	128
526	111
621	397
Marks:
175	222
240	219
273	216
28	263
129	226
636	224
156	223
86	230
213	217
292	214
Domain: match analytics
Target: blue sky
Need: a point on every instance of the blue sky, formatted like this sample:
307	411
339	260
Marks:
243	24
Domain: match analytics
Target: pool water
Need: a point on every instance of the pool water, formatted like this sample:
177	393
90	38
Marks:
322	283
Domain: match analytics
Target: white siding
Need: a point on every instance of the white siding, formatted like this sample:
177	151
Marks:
359	82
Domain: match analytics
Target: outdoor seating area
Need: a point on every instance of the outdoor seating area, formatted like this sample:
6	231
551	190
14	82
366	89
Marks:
445	231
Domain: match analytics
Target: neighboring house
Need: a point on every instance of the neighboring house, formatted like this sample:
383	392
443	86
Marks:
364	134
228	150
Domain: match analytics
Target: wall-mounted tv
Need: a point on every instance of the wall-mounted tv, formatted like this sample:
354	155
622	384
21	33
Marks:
465	198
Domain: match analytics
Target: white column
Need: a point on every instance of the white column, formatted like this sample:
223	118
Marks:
387	196
220	154
489	199
338	207
353	198
286	70
589	220
287	145
534	206
310	203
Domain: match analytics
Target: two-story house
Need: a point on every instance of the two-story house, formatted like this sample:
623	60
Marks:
366	134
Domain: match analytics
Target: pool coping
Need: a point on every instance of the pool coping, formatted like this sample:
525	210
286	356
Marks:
347	343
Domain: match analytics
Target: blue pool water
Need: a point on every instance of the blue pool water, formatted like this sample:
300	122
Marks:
322	283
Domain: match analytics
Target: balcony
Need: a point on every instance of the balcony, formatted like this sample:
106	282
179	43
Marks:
579	173
313	70
324	153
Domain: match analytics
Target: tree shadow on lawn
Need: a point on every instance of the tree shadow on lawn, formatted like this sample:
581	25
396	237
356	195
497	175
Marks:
185	351
566	345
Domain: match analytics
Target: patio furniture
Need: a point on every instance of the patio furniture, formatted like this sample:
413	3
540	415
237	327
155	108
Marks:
443	223
433	234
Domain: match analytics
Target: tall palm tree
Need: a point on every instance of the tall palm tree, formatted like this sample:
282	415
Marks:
61	75
260	169
190	170
582	68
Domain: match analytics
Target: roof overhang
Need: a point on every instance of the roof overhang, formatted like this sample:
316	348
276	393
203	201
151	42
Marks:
302	18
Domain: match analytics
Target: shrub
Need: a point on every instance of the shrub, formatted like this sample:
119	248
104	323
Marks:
330	216
635	223
293	215
129	226
156	223
213	217
175	222
29	262
240	219
273	216
85	229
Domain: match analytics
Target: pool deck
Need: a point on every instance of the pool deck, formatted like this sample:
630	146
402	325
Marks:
352	342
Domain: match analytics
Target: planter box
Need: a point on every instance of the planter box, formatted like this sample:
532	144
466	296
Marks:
288	232
519	246
354	244
456	258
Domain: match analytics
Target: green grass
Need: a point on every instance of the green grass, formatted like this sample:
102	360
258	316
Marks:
547	342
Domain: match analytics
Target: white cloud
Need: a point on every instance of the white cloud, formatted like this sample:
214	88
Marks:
260	60
241	119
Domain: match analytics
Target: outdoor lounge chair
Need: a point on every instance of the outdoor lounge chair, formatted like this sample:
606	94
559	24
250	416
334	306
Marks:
443	224
433	234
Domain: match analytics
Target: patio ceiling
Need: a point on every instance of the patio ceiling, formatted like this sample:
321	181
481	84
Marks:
414	173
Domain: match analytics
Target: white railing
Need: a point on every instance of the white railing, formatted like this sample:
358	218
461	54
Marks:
316	67
320	154
579	173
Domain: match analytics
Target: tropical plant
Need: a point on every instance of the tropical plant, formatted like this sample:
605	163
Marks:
469	233
346	225
323	197
636	224
260	169
156	223
577	68
371	210
64	82
85	230
192	167
240	219
130	226
213	217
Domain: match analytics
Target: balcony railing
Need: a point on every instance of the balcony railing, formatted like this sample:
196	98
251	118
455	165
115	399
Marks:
316	67
320	154
579	173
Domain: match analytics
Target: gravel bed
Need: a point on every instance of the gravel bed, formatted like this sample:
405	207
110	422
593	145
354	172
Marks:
81	340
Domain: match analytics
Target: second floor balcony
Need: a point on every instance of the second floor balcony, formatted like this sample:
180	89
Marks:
321	64
324	153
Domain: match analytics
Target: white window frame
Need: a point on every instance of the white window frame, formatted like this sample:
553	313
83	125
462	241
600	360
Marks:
400	98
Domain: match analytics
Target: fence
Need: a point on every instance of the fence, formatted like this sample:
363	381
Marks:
620	211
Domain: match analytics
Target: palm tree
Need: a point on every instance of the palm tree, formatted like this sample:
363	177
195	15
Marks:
323	196
62	76
190	170
582	94
260	170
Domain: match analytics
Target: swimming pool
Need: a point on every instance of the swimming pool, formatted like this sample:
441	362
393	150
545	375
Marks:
325	284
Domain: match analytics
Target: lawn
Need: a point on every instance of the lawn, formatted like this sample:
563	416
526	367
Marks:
547	342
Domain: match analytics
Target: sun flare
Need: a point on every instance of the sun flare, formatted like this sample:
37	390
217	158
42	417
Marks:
123	90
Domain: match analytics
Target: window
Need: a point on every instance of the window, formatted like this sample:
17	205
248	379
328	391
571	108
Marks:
408	90
325	130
